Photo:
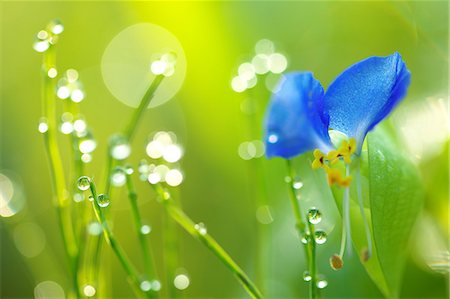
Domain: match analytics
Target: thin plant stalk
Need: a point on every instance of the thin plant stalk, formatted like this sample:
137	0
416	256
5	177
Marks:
310	247
129	133
143	241
190	226
57	175
312	262
132	273
130	129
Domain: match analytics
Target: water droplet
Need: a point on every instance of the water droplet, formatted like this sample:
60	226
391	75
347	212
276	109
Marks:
314	216
56	27
172	153
63	92
306	238
120	148
264	46
48	289
154	178
84	183
336	262
166	195
321	282
79	125
273	138
118	178
66	128
246	71
77	95
145	285
288	179
181	281
129	170
320	237
41	45
261	64
277	63
87	144
307	276
42	35
103	200
238	84
264	215
52	73
78	197
86	158
43	125
174	177
145	229
89	291
72	75
94	228
91	198
156	285
297	185
201	228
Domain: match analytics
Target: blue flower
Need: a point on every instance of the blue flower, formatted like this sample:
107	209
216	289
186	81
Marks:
365	93
296	121
300	114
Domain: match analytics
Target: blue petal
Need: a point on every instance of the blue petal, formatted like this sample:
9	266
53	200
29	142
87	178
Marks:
295	120
365	93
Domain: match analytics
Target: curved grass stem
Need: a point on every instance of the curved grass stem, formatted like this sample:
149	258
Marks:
57	174
130	129
132	273
143	242
189	226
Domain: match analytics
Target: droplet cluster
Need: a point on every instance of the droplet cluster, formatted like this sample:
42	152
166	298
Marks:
265	62
164	150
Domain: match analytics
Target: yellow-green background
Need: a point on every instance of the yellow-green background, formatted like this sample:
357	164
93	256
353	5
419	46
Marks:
324	37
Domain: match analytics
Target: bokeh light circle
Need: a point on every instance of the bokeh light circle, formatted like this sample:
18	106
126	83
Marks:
127	60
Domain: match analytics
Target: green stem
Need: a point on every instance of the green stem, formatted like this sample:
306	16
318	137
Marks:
171	257
57	175
310	247
143	241
133	277
187	224
299	224
312	262
130	129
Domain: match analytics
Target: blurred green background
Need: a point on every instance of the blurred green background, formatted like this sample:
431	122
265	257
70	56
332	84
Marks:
219	187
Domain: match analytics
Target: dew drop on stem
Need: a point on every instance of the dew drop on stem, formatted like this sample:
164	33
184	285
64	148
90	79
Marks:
84	183
314	216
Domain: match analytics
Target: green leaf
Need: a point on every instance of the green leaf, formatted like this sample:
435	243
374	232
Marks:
396	197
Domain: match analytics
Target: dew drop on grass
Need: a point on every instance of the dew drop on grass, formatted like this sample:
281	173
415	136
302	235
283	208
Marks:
145	229
320	237
305	238
56	27
307	276
181	281
118	178
156	285
43	126
103	200
84	183
120	148
145	285
201	228
297	185
321	282
89	291
314	216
